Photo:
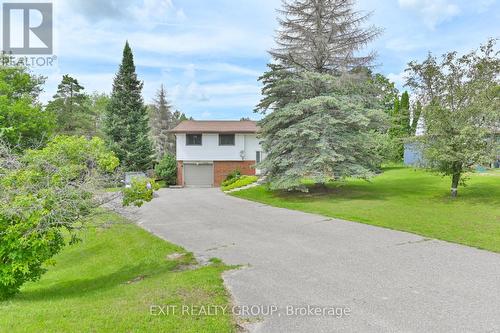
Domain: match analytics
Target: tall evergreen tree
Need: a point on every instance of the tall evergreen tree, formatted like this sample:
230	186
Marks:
401	126
324	135
322	36
326	103
405	113
161	121
126	120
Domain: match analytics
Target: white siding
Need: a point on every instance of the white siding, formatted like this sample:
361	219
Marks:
211	151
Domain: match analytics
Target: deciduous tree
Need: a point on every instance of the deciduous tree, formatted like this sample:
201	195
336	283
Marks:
23	122
461	109
47	195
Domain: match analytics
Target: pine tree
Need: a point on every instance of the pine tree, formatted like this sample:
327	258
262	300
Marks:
71	107
323	36
161	121
126	120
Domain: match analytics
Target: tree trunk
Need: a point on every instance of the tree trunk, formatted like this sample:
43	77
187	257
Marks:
454	184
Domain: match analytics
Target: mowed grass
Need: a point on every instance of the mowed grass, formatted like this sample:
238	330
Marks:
406	199
108	282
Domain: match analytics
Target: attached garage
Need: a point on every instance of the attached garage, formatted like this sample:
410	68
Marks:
199	174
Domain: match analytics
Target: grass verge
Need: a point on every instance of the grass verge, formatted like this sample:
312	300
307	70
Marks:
108	283
409	200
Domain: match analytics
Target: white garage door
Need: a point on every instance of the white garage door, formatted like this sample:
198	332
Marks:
199	175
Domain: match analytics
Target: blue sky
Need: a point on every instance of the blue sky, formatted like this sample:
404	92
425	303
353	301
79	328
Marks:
209	54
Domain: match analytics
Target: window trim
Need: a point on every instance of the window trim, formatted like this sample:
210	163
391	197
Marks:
227	145
194	144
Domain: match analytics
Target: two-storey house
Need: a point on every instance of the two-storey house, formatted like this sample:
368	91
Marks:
207	151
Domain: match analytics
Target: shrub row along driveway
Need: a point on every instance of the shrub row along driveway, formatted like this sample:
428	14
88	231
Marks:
389	280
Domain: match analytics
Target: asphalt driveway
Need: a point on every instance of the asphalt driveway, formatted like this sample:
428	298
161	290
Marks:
374	279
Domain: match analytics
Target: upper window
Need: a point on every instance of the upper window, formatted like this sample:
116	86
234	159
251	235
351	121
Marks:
193	139
226	139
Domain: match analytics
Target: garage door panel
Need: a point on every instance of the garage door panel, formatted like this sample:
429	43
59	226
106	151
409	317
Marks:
198	175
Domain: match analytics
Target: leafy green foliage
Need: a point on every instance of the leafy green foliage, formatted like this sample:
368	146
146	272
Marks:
166	169
97	103
126	119
23	123
230	181
233	175
239	182
141	190
387	90
461	99
328	131
42	194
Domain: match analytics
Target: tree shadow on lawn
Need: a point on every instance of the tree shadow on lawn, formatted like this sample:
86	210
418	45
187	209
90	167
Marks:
87	287
398	188
363	190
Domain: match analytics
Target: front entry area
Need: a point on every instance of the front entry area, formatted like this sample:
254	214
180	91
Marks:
199	174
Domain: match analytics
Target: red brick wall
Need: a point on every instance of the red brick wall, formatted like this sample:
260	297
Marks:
180	180
223	168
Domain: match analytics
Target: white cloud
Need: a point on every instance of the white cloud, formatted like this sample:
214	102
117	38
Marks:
206	114
398	78
432	12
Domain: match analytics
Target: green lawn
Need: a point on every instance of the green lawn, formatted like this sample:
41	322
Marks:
409	200
108	282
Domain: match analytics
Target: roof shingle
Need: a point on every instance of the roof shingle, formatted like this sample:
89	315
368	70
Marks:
216	126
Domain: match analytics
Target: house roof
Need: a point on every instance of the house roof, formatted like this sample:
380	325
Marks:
216	126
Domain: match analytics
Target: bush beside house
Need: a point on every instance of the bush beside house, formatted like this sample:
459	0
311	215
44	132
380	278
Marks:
167	169
234	181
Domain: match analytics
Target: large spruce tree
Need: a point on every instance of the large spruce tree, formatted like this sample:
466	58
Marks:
327	108
325	134
322	36
126	120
